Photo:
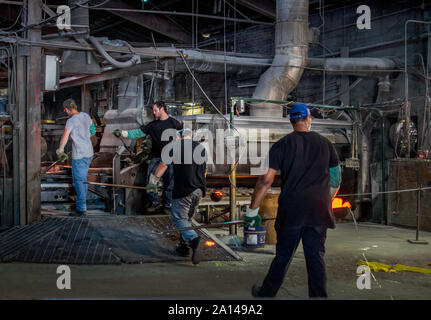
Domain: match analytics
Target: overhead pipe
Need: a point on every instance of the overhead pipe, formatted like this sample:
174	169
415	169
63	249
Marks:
291	51
212	62
119	64
364	66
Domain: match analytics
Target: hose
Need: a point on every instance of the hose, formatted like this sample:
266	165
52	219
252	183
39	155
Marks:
134	60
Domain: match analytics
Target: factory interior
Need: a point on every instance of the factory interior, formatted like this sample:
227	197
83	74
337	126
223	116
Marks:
230	70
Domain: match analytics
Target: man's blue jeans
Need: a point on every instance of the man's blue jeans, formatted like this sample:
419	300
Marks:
168	183
313	243
79	176
183	210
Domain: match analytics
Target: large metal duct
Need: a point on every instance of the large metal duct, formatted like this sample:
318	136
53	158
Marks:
291	51
74	61
364	66
213	62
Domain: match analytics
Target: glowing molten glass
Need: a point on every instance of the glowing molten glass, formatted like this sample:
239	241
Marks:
338	203
210	243
216	196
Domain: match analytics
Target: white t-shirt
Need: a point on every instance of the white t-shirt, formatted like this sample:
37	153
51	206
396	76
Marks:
79	126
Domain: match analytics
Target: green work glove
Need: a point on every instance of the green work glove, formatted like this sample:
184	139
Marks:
252	218
151	188
117	132
61	156
152	184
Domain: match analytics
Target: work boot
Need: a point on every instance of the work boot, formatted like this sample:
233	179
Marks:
255	291
194	244
77	213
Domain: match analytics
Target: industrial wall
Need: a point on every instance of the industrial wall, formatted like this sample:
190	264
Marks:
339	36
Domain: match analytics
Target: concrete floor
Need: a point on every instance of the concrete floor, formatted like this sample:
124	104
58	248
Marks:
233	280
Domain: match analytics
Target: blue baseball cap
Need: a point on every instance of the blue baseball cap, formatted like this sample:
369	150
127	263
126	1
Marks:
299	111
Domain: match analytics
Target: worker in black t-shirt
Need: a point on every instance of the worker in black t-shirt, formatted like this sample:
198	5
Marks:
309	169
155	129
189	188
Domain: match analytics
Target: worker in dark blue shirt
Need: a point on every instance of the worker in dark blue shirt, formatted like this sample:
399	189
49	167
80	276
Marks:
306	161
189	187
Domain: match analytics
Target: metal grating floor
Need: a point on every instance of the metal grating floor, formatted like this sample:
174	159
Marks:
100	240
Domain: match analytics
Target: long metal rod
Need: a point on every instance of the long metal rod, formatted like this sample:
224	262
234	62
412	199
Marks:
115	185
418	210
208	16
380	192
382	133
211	225
232	178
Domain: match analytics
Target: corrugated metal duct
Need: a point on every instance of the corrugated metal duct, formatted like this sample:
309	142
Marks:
291	51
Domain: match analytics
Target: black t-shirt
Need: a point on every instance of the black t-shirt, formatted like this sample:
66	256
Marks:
189	170
304	159
155	129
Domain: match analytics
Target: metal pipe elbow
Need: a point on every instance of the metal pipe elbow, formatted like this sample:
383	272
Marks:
119	64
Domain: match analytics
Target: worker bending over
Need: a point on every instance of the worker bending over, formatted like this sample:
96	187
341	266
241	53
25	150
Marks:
189	188
154	129
306	161
80	128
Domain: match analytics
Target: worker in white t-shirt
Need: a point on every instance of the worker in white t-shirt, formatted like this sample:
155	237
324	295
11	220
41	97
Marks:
80	128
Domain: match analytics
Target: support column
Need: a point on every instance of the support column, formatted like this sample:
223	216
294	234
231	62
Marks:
19	142
86	100
33	114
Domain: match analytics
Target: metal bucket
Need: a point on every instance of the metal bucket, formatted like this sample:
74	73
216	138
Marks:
254	237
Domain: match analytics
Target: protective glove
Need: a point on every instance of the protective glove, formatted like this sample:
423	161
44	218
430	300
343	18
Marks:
61	156
252	218
119	132
152	184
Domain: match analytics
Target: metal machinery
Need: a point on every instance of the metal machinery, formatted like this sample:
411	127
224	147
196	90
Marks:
240	145
258	131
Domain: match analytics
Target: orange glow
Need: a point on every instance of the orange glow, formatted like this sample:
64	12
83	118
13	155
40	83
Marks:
216	196
338	203
55	169
210	243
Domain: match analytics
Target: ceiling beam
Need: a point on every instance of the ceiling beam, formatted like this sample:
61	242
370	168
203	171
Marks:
266	8
153	22
109	75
